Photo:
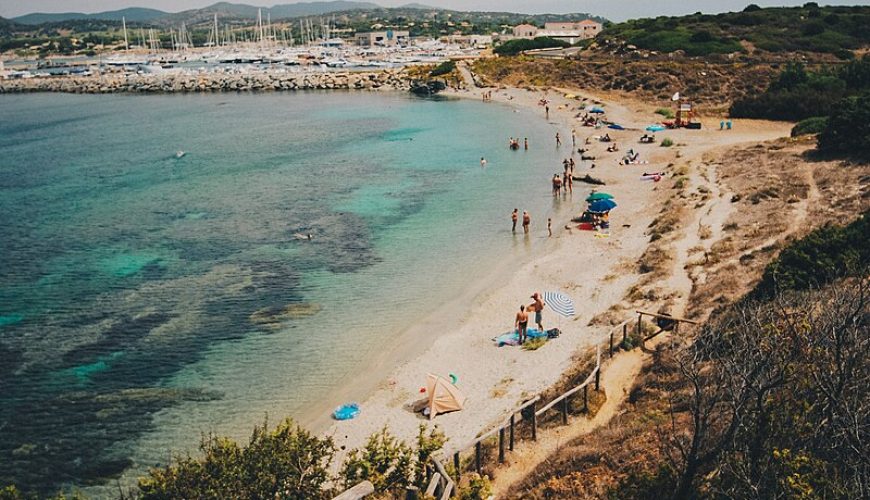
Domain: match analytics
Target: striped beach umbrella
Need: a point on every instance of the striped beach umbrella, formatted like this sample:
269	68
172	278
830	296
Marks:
559	303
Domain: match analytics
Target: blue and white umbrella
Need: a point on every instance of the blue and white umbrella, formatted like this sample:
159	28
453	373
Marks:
559	303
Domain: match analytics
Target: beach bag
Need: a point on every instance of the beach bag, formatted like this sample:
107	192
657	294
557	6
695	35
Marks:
553	333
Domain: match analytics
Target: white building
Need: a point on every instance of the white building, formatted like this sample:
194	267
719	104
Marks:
571	32
525	31
387	38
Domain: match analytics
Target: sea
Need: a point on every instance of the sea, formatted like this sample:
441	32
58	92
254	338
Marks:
175	265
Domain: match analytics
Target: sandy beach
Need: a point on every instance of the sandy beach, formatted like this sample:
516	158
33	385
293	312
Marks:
596	270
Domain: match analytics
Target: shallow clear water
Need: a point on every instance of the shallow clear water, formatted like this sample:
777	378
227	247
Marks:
146	298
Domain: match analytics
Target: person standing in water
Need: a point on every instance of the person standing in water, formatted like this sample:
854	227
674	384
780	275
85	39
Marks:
526	143
521	323
514	217
549	227
558	140
482	161
527	220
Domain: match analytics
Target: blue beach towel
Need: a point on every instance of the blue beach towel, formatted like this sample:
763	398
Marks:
513	338
346	412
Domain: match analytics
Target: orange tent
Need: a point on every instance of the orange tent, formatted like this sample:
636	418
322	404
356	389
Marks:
444	397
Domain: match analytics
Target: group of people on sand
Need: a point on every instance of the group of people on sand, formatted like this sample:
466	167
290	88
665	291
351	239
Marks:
521	321
514	144
487	96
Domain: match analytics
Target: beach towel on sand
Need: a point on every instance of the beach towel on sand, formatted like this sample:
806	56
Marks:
513	338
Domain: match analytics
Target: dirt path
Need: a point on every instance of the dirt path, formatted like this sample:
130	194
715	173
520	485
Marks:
467	76
617	377
798	218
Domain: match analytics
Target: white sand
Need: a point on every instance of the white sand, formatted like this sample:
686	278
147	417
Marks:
595	271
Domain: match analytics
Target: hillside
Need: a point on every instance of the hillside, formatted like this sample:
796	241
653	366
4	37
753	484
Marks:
7	27
800	29
133	14
227	10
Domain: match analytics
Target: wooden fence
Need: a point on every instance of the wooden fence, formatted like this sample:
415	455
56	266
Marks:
530	411
442	486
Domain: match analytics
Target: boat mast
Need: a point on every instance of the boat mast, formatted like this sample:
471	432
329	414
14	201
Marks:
124	24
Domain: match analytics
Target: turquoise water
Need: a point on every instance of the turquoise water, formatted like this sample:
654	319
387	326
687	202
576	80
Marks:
145	298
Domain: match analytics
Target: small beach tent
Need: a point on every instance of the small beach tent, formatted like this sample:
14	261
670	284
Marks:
444	397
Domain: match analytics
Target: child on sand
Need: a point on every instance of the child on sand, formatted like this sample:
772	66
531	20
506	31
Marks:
549	227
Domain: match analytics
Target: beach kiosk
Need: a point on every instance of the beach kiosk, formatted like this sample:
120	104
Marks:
685	115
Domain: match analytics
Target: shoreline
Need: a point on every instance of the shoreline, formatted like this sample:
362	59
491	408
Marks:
495	379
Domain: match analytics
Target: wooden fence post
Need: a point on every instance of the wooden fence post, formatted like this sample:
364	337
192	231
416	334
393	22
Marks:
456	465
586	398
534	422
565	411
477	453
598	369
511	442
501	445
611	343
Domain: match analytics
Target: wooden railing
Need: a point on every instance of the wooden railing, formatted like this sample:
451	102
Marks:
442	486
507	429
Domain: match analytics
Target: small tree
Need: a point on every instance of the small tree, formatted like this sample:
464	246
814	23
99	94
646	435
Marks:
390	464
385	461
848	128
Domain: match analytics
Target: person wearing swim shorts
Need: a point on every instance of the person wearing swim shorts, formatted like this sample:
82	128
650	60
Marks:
538	306
521	323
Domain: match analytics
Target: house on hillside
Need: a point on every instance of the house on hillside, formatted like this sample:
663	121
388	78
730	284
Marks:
525	31
584	29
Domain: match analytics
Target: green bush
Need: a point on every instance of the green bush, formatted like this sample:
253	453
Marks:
390	464
856	74
795	95
819	258
444	68
812	125
287	462
479	488
847	130
514	47
828	29
667	142
666	112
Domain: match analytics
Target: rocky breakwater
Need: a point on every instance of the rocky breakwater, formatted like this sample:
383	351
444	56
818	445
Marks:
210	82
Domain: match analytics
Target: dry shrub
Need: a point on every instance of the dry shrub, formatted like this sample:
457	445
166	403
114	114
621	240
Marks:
655	261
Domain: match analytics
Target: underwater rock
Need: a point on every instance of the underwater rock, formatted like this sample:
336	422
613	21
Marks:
273	316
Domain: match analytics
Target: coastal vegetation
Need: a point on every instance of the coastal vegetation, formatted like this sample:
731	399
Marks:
826	254
798	94
765	400
514	47
833	103
287	462
811	28
809	126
